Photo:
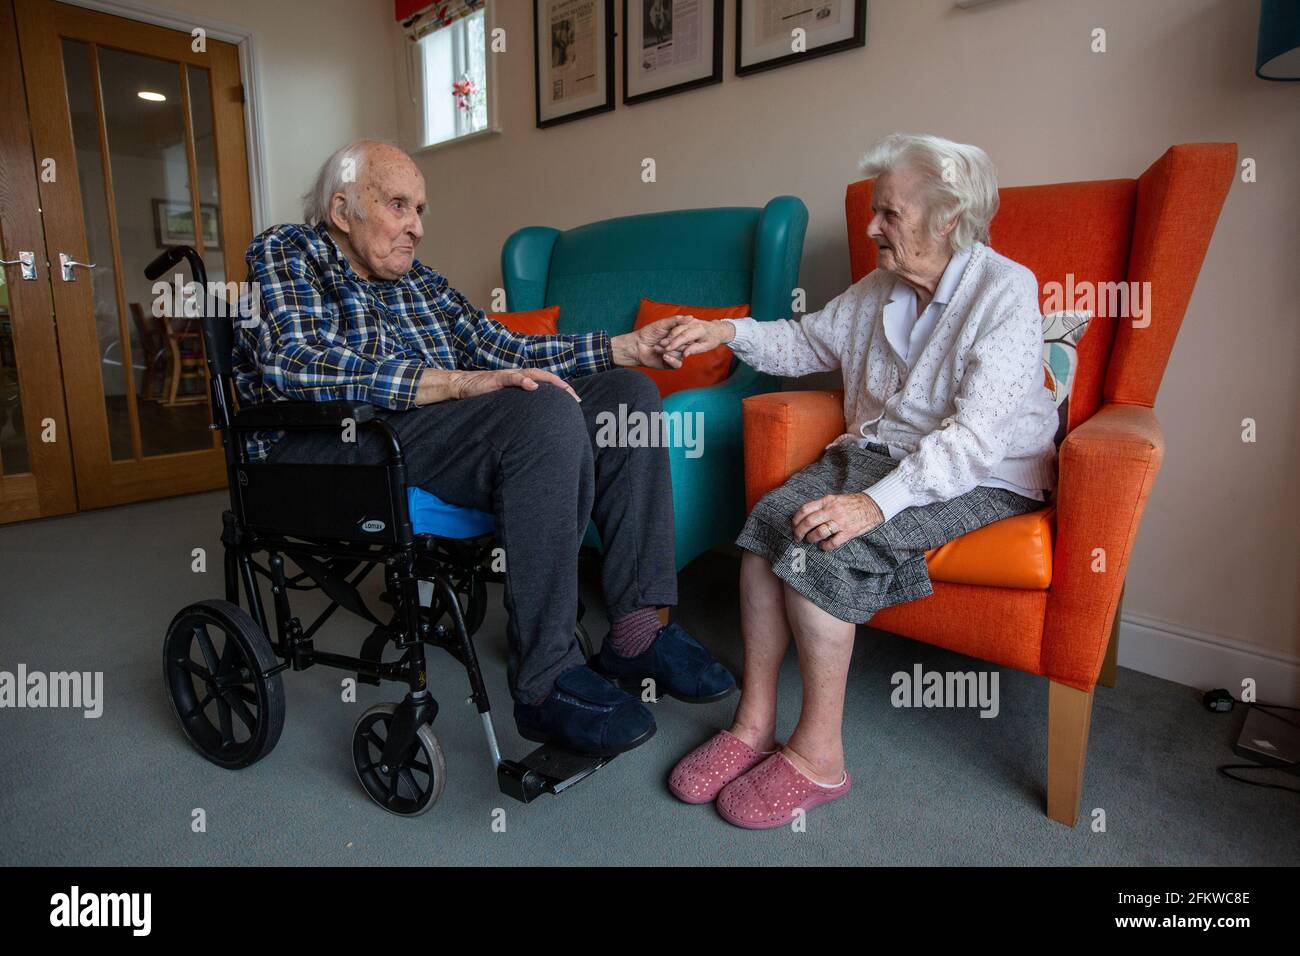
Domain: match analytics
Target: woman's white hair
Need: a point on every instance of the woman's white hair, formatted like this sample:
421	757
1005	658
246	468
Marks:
339	174
960	180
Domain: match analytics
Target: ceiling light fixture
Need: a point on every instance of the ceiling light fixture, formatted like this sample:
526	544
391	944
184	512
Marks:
151	96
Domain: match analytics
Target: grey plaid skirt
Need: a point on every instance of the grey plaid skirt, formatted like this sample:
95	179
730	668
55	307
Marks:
886	566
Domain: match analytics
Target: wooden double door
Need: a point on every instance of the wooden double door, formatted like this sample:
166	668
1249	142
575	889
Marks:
117	139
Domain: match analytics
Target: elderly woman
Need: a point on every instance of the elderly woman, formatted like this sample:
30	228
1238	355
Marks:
950	428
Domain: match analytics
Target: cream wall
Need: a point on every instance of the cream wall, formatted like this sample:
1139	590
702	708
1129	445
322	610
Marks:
1216	566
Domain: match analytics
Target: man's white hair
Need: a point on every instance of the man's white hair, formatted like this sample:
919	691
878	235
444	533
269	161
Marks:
960	180
340	174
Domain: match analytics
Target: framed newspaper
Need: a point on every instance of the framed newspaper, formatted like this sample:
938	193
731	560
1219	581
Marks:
670	46
772	33
573	51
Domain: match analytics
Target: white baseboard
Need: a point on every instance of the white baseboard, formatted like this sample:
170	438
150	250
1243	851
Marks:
1205	661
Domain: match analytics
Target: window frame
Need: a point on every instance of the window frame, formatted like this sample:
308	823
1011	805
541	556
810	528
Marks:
459	54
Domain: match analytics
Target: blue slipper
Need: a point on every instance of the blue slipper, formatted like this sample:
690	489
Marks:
677	663
586	714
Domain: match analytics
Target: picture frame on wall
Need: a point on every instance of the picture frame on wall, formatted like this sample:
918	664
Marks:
173	223
670	46
573	56
765	31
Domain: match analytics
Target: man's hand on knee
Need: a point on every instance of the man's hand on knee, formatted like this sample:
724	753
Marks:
468	384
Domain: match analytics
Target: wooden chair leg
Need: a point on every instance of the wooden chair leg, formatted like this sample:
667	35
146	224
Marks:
176	374
1069	713
1111	660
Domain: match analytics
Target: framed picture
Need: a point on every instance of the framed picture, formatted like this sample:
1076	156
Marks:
573	52
670	46
173	223
772	33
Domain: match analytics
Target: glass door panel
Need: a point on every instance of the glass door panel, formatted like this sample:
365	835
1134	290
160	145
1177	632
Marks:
14	459
151	355
205	161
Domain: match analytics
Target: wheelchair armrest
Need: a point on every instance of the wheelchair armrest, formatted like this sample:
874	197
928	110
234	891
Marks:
291	415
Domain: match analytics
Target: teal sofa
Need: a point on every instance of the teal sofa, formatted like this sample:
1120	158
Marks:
598	273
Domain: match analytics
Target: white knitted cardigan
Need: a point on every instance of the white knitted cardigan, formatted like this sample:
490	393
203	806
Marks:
974	405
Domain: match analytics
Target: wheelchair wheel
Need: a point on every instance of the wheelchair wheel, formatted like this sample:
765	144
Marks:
413	786
584	640
213	658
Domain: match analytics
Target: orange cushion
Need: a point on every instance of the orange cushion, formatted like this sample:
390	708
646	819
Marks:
1012	553
698	371
536	322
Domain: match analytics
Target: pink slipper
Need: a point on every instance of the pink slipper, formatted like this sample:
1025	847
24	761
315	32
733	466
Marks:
702	773
769	795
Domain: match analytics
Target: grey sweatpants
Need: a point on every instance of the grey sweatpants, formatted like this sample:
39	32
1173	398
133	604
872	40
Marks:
530	458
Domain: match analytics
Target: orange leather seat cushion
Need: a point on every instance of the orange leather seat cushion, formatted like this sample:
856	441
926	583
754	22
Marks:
1012	553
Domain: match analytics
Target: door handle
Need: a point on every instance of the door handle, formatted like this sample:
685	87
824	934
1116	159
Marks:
27	260
67	264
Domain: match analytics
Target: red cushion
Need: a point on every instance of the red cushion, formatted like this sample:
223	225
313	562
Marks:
698	371
535	322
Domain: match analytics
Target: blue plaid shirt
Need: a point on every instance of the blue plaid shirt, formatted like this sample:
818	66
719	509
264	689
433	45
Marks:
328	335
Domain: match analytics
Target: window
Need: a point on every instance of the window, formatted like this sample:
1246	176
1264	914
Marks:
453	80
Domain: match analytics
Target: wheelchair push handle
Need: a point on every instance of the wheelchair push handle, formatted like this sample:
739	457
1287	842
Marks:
170	257
218	333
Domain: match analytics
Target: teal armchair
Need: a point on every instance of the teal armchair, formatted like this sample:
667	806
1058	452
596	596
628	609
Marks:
598	273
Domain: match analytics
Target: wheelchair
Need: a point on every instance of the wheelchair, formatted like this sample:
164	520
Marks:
336	524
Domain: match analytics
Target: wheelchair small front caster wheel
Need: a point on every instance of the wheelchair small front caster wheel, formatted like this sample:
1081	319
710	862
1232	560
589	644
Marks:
415	783
214	657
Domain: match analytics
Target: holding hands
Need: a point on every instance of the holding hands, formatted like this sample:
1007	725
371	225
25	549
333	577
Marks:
646	345
666	343
691	336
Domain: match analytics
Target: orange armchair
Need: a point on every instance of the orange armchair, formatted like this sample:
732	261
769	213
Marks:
1042	592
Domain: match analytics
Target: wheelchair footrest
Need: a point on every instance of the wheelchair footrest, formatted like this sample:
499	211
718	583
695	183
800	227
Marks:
547	769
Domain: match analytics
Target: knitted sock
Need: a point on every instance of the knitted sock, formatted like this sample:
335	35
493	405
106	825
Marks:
632	633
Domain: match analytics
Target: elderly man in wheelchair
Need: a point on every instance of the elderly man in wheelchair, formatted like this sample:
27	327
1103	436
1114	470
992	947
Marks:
370	391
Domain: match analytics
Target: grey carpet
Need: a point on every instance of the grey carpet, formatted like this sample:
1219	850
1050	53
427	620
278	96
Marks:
941	786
